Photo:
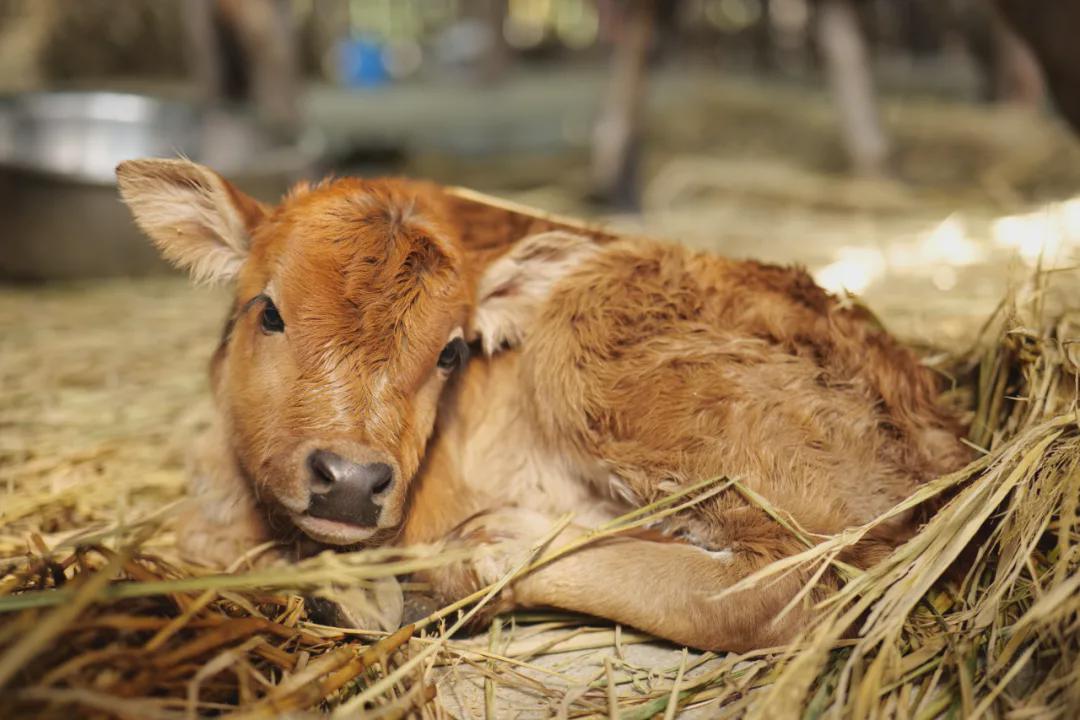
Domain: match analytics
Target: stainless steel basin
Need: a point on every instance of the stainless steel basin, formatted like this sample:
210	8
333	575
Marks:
60	216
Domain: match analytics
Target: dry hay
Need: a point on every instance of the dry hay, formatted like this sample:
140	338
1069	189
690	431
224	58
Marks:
975	616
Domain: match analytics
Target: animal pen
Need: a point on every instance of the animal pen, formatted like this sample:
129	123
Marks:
966	249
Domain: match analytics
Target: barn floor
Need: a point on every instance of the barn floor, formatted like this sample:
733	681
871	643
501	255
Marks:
103	385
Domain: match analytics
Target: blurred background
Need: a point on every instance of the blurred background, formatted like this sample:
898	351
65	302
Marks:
901	149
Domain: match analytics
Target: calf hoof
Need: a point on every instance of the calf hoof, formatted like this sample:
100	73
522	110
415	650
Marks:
378	606
417	607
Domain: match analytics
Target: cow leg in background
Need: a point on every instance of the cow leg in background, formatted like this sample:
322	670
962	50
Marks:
1018	79
850	79
1049	29
666	588
246	50
617	134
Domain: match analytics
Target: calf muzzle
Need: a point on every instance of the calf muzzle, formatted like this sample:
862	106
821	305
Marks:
345	491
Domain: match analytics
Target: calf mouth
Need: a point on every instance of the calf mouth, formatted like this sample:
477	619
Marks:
332	532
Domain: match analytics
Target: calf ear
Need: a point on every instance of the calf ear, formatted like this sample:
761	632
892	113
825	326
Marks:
197	219
514	288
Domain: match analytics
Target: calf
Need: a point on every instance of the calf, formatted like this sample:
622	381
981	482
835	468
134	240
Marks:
609	373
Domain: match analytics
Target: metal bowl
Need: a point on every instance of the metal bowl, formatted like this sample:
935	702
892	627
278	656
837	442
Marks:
60	215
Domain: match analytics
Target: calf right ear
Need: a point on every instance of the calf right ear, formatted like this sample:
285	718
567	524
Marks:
197	219
513	289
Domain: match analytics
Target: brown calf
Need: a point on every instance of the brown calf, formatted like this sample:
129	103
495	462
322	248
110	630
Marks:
612	372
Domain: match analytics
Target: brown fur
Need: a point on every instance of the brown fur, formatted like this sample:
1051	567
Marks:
616	371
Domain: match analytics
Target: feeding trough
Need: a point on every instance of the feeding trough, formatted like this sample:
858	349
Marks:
60	216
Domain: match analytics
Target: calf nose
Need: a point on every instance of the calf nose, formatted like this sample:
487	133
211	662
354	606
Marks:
345	491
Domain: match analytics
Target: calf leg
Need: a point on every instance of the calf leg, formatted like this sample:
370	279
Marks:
666	588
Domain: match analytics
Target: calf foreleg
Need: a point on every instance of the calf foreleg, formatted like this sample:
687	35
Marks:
667	588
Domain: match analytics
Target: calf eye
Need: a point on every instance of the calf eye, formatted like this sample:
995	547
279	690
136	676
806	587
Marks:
454	354
271	318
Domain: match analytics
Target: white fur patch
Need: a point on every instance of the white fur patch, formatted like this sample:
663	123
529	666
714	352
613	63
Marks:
622	491
724	555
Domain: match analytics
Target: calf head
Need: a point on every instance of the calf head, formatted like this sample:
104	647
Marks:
351	297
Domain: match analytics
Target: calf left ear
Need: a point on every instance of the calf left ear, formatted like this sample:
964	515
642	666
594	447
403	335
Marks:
513	289
198	220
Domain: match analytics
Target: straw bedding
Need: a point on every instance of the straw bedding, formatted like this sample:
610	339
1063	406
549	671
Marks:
979	615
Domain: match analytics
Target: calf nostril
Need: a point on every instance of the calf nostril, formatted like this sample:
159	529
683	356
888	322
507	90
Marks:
384	478
346	491
322	471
